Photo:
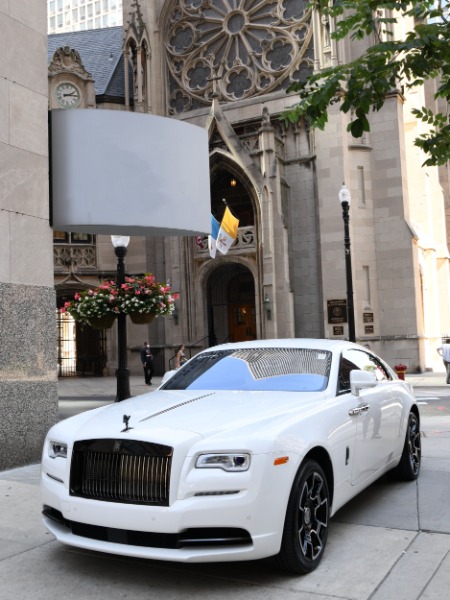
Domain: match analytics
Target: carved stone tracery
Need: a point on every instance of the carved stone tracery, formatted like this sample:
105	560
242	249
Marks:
84	257
237	48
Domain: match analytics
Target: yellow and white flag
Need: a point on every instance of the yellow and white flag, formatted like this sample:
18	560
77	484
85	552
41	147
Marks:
227	232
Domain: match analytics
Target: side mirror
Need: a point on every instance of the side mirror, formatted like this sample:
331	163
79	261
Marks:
167	375
361	380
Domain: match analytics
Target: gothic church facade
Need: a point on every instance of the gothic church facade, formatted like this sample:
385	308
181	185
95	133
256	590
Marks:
226	66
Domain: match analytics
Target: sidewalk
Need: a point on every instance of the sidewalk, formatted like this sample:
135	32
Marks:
392	542
427	379
101	387
78	394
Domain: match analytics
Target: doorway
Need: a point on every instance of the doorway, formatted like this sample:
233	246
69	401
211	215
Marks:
231	305
81	349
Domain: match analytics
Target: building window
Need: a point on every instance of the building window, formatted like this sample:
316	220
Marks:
64	237
361	186
243	40
367	299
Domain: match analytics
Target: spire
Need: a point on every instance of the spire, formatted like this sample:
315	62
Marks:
136	20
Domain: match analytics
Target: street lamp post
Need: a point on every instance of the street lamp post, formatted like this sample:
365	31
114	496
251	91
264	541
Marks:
344	198
120	243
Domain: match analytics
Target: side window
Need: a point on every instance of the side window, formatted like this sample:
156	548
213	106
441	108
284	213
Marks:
345	367
358	359
380	372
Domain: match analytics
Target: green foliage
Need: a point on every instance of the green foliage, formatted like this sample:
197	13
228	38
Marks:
389	65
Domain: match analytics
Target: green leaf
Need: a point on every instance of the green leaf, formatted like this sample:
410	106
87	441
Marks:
391	64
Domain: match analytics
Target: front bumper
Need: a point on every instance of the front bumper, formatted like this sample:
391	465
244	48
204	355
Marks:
244	524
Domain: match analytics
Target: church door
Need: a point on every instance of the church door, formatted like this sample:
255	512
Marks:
242	322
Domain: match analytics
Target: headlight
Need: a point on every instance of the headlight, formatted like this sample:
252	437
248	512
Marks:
227	462
57	449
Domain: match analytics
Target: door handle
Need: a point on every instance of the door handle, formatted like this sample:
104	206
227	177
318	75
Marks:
359	410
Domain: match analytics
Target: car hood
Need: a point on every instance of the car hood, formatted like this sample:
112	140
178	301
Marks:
201	412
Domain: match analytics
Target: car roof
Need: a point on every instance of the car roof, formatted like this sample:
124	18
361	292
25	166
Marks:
314	344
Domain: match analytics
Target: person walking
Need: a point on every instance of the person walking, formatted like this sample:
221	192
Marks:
180	357
444	351
147	363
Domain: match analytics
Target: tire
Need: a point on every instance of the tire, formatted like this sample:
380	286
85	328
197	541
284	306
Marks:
409	466
306	525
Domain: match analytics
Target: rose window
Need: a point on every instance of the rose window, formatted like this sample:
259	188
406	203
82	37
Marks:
235	49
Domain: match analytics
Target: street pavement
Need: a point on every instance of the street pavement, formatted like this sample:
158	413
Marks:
392	542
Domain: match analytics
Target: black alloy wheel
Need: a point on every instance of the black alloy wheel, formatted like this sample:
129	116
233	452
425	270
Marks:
409	466
306	524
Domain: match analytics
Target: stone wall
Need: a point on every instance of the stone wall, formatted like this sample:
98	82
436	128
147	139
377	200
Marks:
28	392
28	382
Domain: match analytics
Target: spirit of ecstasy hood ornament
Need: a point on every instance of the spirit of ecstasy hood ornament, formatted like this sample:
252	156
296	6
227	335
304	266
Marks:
126	419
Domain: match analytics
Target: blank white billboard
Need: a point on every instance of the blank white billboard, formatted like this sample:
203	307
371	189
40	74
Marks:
115	172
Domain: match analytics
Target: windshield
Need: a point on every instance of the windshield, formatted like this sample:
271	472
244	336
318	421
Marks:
255	369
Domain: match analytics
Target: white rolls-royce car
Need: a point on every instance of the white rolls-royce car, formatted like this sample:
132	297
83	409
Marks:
244	452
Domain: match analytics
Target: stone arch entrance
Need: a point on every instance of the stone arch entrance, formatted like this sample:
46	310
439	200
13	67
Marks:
231	304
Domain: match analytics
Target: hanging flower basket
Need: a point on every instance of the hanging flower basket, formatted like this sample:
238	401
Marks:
145	298
105	322
141	297
141	318
97	307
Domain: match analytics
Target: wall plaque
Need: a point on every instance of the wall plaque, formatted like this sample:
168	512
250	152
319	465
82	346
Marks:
338	330
368	317
337	311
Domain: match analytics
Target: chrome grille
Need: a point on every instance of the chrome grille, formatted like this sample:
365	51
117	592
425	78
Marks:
127	471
